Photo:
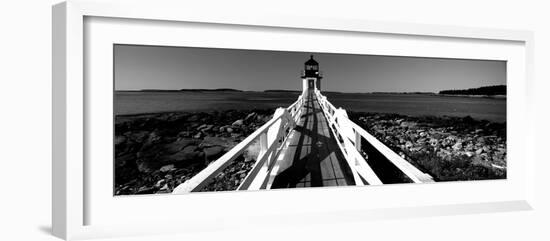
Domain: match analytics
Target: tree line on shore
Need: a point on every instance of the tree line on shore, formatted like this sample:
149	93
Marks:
485	90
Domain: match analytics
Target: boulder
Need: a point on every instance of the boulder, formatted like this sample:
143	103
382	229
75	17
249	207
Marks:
160	183
218	141
479	151
150	151
457	146
250	117
189	153
146	190
201	127
146	166
167	168
138	136
179	145
153	139
207	128
211	152
407	124
239	122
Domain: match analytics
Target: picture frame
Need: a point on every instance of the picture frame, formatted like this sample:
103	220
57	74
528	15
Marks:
75	203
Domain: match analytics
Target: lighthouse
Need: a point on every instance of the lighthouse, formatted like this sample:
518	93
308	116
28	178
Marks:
311	77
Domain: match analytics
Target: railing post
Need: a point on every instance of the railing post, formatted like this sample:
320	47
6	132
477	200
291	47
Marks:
358	141
263	143
263	146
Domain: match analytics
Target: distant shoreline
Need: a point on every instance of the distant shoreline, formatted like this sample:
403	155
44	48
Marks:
297	91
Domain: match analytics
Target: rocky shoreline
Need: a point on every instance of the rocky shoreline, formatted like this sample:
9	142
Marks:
154	153
448	148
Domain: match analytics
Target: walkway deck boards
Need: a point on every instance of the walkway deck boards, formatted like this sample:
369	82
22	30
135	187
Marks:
312	158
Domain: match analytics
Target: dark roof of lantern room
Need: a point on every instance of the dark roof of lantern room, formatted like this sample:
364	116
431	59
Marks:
311	61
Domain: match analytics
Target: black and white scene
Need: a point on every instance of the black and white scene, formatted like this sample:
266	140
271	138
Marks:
207	119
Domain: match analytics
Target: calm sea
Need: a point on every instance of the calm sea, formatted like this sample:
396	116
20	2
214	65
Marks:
408	104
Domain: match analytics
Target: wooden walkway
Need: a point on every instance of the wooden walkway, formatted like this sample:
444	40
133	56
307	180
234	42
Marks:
311	158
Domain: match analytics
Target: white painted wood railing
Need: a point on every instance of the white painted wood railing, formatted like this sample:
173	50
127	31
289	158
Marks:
350	144
271	137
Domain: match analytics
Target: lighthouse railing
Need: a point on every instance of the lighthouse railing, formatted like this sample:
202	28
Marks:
270	137
349	137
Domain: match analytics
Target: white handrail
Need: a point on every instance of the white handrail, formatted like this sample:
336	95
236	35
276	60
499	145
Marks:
270	136
351	144
358	165
269	151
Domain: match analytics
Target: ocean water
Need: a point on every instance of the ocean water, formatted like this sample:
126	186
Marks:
493	109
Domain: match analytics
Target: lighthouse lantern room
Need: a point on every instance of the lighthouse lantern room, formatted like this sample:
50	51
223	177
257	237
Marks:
311	77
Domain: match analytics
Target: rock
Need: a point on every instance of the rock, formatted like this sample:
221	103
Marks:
207	128
146	166
209	141
139	136
198	135
189	149
160	183
193	118
481	140
119	140
152	140
468	119
229	130
476	160
457	146
239	122
179	145
469	153
164	188
250	117
189	153
213	151
146	190
167	168
469	147
479	151
201	127
185	134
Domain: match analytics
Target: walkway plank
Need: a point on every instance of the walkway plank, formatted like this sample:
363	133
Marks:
312	158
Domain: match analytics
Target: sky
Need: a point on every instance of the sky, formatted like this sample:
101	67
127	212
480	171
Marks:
156	67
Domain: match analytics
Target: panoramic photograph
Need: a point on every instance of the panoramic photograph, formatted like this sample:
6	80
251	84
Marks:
192	119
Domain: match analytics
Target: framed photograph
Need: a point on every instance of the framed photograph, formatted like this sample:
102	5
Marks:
173	120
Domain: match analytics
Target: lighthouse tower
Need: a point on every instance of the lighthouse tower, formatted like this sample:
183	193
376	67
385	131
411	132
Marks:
311	77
